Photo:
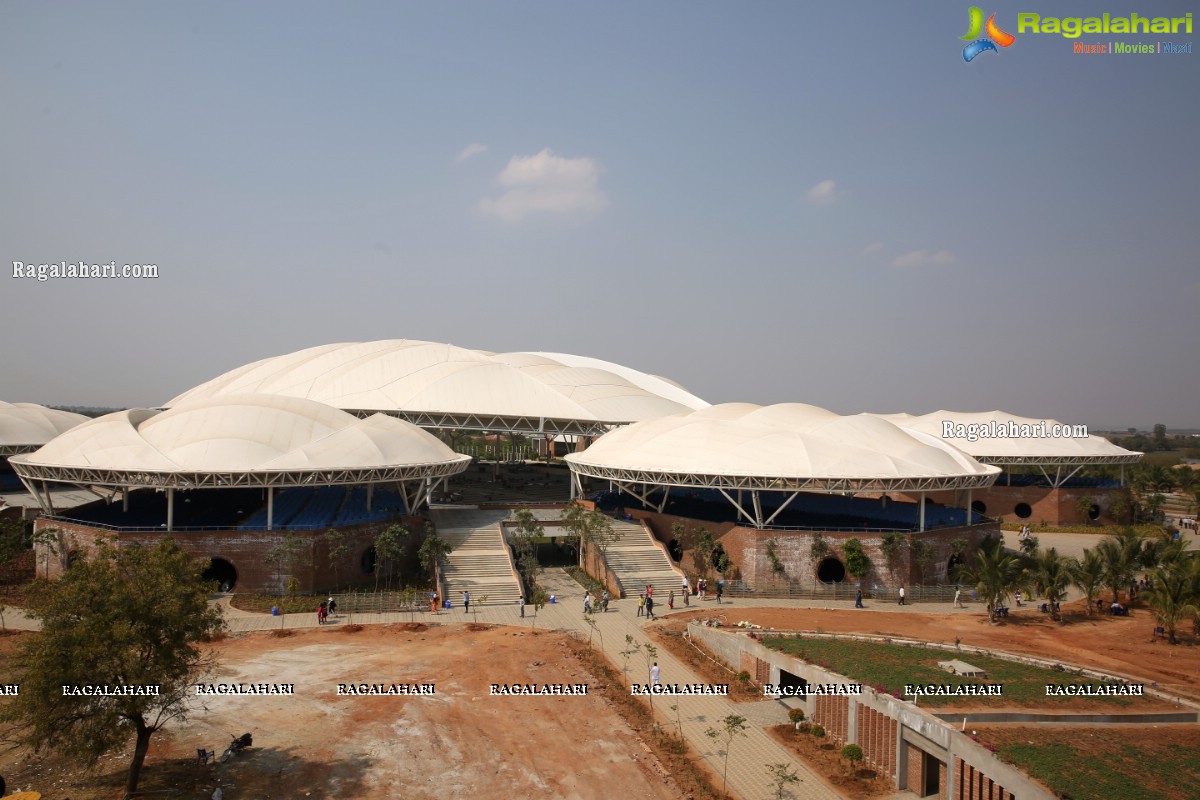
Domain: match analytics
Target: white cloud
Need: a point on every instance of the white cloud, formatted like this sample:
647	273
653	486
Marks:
472	149
874	247
823	193
921	258
546	182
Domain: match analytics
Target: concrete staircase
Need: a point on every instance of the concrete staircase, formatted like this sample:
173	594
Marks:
479	561
638	561
1177	506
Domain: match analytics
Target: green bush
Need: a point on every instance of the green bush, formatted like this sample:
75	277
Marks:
796	715
817	731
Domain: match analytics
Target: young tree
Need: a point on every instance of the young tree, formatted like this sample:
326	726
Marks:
631	647
538	599
285	558
133	617
599	532
47	542
1050	575
892	544
12	539
336	549
528	530
433	549
1089	575
731	726
782	776
1174	593
819	547
389	548
702	547
996	574
921	552
858	563
854	755
1120	553
575	518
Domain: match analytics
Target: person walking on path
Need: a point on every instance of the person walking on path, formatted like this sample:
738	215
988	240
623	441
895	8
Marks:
522	608
858	599
587	603
671	600
604	601
650	606
322	613
720	590
958	598
654	681
901	600
642	604
466	602
433	602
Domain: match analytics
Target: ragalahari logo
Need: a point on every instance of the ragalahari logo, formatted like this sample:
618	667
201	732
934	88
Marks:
977	44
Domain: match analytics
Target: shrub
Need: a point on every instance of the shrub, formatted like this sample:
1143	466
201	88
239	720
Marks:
744	678
817	731
796	715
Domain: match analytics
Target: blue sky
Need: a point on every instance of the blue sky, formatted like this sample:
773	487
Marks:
765	202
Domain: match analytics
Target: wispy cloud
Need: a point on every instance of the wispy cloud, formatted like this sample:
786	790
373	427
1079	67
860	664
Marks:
470	150
546	182
921	258
823	193
873	247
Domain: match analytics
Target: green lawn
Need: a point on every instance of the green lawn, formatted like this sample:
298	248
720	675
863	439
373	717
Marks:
888	667
1106	763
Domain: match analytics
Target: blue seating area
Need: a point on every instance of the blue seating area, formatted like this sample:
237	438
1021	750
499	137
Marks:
808	510
1077	482
296	508
384	504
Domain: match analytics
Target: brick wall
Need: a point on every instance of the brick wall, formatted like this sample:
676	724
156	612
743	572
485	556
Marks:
1052	506
245	550
747	550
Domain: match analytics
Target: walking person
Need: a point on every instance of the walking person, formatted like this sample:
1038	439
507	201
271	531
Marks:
858	598
958	598
901	600
642	604
587	603
671	600
604	601
720	589
466	602
522	608
687	593
332	606
654	680
321	613
433	602
650	607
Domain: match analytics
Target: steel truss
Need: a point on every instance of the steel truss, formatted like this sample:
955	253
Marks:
495	423
649	481
1060	461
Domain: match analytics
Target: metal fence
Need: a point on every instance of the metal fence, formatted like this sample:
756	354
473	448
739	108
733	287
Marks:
796	590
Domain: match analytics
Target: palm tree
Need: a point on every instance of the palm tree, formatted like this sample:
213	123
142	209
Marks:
1174	593
1120	553
1089	575
996	574
1050	575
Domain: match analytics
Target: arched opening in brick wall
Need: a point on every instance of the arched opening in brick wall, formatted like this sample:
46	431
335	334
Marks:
831	570
367	560
223	572
979	507
1023	510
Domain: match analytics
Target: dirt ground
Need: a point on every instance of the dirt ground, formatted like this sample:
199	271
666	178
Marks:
460	742
1122	645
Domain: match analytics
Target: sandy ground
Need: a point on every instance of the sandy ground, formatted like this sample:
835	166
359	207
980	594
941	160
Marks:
460	742
1121	645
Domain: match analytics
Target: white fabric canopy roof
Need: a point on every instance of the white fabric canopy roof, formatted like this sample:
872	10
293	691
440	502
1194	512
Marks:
27	426
1043	450
786	446
241	440
443	385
